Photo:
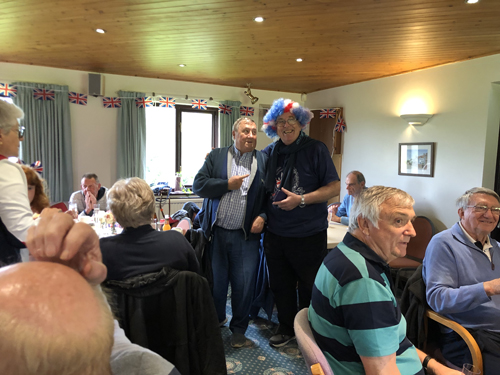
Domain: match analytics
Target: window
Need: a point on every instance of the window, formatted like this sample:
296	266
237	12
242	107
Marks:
177	140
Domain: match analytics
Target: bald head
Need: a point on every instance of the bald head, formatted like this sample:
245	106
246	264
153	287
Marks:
52	321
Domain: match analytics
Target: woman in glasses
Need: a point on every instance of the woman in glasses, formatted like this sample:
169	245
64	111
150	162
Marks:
300	179
15	211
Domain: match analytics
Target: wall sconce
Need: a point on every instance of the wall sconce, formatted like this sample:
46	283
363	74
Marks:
417	119
248	93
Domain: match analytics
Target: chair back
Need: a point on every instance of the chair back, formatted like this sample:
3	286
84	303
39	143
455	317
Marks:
61	205
307	344
425	231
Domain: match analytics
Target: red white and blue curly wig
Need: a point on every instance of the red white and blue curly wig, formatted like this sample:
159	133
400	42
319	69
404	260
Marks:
280	106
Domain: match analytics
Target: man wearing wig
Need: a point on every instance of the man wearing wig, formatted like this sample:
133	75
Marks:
301	178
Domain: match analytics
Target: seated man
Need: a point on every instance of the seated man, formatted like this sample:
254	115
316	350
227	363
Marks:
53	320
92	193
354	315
462	275
355	183
139	249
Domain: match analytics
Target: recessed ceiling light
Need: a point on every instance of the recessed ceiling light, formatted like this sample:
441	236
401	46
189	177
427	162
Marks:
182	65
299	60
100	31
259	19
471	1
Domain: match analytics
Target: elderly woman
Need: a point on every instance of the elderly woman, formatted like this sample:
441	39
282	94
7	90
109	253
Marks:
300	179
139	249
36	193
15	212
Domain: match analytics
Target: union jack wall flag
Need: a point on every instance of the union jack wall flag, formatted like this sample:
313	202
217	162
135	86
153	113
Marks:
167	102
143	102
8	90
108	102
246	111
327	113
340	126
43	94
77	98
225	109
199	104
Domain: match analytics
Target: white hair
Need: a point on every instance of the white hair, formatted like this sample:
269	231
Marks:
9	115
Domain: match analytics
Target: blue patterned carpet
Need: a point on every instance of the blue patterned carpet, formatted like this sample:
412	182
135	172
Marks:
258	357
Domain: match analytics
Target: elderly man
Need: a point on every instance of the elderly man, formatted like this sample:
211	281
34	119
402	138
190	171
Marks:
354	314
462	275
355	183
232	183
92	193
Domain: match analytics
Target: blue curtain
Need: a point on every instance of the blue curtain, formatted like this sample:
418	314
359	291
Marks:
226	122
131	146
48	136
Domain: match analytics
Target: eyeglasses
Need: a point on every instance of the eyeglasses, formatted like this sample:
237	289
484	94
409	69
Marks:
21	132
290	121
483	209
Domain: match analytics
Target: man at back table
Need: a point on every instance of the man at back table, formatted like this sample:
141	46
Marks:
355	183
462	275
354	315
92	193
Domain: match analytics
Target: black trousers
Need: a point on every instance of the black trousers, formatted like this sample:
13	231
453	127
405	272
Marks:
292	261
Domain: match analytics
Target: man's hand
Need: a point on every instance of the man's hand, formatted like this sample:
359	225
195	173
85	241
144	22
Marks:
290	202
257	225
90	200
58	239
235	182
333	209
492	287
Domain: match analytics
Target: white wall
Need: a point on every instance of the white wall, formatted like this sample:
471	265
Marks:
94	127
466	104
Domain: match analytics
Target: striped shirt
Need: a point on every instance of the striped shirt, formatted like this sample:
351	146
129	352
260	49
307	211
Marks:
354	312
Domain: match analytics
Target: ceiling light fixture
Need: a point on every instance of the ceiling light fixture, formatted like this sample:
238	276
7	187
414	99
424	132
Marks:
182	65
417	119
471	1
299	60
248	93
259	19
100	31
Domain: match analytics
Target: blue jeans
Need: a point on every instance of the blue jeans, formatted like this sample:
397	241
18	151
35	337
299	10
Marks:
234	260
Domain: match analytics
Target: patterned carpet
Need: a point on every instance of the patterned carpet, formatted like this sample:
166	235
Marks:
258	357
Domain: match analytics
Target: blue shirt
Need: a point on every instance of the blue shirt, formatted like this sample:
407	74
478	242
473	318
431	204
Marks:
345	209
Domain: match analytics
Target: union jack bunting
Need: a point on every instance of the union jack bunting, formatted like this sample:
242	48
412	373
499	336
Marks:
225	109
8	90
77	98
109	102
340	126
37	166
43	94
246	111
199	104
327	113
166	102
143	102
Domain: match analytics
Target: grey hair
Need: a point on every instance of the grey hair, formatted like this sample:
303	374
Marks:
367	205
464	200
9	115
359	176
237	123
132	202
90	176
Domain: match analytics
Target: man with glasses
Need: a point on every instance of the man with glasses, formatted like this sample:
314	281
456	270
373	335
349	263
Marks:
462	276
92	193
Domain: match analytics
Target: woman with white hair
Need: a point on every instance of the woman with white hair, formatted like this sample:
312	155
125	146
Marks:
15	212
139	249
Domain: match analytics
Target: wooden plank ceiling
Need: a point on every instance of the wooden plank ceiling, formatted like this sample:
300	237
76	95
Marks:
340	41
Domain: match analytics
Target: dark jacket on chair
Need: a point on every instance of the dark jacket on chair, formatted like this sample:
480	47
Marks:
172	313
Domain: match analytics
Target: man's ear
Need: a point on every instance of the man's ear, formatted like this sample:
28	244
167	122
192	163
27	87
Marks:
363	225
461	213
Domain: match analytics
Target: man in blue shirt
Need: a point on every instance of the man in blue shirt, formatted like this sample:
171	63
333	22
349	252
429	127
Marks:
355	183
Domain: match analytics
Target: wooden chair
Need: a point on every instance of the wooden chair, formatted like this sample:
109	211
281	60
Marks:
313	356
477	357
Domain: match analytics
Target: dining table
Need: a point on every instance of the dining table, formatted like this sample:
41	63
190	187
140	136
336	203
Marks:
335	234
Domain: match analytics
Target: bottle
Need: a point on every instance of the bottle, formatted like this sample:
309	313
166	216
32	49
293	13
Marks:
166	226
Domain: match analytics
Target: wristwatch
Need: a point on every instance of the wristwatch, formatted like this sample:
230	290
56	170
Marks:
302	201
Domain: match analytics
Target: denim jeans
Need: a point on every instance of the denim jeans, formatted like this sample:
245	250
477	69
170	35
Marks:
234	260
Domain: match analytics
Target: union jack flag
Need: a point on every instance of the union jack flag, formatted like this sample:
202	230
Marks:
108	102
225	109
246	111
37	166
143	102
43	94
77	98
167	102
327	113
340	126
199	104
8	90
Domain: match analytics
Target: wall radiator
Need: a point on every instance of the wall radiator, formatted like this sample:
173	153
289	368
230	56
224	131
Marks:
175	205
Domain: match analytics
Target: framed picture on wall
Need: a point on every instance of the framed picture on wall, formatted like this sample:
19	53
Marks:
416	159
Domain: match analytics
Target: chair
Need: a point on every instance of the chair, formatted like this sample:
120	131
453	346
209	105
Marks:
415	251
311	352
61	205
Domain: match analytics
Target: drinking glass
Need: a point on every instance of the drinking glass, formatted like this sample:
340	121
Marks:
469	369
97	208
73	208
